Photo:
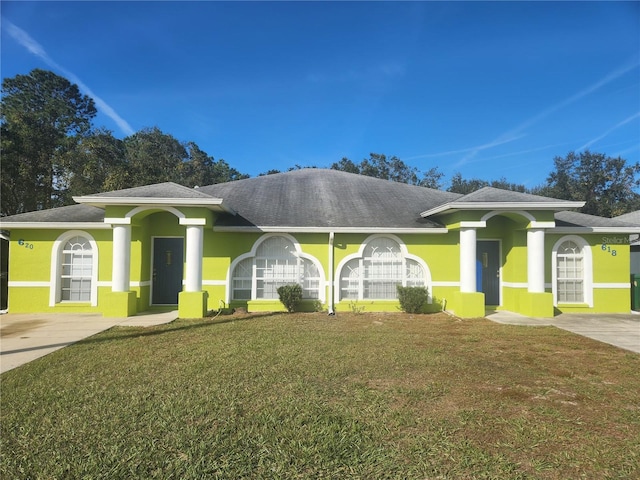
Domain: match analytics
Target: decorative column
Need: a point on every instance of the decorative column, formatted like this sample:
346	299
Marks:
121	258
193	281
468	260
121	302
468	302
535	260
535	302
192	301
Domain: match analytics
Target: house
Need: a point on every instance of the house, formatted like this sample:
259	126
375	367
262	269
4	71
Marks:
347	239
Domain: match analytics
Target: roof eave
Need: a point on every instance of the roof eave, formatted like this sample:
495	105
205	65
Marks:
214	204
459	206
582	229
54	225
291	229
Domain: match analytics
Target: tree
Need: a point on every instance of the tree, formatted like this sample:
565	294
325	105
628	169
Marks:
153	157
460	185
606	184
201	169
43	117
97	164
394	169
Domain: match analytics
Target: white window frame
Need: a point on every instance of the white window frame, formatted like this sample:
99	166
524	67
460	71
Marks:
57	256
359	257
296	277
587	270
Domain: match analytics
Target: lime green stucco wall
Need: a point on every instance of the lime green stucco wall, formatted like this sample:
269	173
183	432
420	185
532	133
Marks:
30	265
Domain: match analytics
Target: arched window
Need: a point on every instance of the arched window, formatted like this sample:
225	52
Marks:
375	273
74	269
275	262
570	273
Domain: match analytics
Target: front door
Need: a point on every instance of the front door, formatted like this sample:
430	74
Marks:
167	270
488	270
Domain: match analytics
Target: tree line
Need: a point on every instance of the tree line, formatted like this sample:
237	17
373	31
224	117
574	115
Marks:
51	151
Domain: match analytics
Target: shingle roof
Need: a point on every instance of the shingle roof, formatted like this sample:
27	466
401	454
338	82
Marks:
498	195
631	217
70	213
576	219
158	190
326	199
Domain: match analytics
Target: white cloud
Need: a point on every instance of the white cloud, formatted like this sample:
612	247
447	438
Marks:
24	39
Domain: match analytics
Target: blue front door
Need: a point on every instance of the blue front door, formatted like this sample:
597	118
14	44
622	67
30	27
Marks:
168	260
488	270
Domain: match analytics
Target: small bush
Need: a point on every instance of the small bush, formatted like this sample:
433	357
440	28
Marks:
412	299
290	296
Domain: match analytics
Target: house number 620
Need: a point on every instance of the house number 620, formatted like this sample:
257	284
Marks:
607	248
25	244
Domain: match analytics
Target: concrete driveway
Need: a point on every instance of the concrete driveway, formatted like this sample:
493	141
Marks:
27	336
620	330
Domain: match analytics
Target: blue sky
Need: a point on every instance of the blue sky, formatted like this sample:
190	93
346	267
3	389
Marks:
485	89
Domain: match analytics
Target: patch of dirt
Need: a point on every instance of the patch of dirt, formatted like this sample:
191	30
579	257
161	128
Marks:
19	328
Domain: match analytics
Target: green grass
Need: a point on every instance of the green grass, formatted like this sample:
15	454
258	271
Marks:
367	396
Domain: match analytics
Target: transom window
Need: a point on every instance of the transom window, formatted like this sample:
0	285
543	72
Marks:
276	263
378	271
570	273
77	270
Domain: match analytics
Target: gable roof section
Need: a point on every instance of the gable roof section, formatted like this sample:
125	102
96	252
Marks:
164	194
568	222
631	217
77	216
326	200
489	198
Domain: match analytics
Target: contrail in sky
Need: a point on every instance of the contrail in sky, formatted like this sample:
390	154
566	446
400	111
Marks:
24	39
615	127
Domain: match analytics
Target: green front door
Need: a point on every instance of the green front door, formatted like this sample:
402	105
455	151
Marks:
168	258
488	270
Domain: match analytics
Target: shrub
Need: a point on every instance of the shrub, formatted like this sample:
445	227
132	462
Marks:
412	299
290	296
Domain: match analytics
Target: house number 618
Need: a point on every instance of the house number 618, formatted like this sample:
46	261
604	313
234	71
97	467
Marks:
25	244
607	248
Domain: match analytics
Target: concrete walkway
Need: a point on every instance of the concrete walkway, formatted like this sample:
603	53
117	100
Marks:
27	336
620	330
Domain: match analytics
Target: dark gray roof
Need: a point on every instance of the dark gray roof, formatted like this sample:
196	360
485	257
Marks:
631	217
498	195
326	199
70	213
576	219
158	190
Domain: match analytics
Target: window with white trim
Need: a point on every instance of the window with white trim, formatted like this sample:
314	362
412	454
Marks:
77	270
378	271
570	273
275	263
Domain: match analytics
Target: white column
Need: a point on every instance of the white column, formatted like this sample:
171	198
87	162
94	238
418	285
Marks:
194	258
535	260
121	258
468	260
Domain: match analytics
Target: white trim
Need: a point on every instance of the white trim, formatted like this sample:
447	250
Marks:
164	201
56	252
587	269
54	225
117	221
445	284
536	224
578	230
624	285
476	224
20	284
215	283
193	222
293	229
403	250
455	206
516	284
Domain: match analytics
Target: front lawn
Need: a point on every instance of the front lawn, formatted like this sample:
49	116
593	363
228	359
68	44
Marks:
367	396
